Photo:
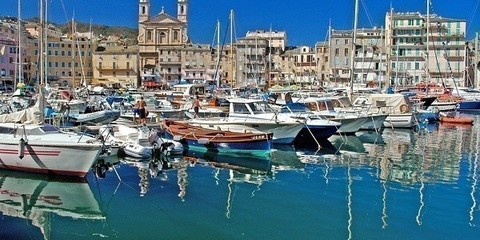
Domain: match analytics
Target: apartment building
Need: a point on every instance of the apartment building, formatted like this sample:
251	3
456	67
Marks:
417	57
251	61
116	66
9	57
370	57
68	61
322	50
301	66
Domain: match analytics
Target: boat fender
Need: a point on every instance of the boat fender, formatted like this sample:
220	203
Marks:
21	148
153	137
404	108
177	138
203	141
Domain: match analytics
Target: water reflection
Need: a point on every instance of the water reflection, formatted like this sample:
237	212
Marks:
39	199
384	181
233	160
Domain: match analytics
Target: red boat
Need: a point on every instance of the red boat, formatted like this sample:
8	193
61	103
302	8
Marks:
203	139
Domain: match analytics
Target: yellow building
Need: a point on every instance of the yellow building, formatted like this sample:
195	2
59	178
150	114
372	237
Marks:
68	62
115	66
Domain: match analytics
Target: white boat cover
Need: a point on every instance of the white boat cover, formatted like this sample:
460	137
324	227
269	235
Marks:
32	115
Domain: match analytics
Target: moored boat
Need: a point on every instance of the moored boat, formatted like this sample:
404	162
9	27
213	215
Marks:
456	120
203	139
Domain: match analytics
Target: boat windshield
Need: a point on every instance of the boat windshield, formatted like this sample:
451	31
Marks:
260	107
342	103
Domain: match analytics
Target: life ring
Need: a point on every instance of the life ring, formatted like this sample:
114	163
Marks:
404	108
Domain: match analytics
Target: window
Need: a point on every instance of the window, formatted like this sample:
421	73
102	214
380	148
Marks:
240	108
337	51
175	36
149	35
346	51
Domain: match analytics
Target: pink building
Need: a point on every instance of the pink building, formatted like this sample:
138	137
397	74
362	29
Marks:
7	59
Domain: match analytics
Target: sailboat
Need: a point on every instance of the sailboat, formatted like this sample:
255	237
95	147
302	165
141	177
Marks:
28	144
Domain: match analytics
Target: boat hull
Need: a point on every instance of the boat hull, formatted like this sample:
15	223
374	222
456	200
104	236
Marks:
472	105
310	133
69	160
399	121
282	133
255	148
374	122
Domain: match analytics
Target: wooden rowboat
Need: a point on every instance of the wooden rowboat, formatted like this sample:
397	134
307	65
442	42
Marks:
456	120
203	139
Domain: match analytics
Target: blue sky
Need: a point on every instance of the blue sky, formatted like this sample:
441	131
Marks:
306	21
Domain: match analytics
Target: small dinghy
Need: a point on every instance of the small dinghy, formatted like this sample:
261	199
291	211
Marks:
455	119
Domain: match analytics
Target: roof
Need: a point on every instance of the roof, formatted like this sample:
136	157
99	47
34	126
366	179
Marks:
162	18
118	49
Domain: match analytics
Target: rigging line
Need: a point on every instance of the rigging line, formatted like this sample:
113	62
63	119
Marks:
367	13
473	16
64	10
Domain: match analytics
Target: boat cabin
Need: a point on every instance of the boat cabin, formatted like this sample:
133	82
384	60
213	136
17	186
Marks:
21	130
249	106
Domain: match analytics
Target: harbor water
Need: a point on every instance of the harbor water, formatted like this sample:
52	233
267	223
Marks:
394	184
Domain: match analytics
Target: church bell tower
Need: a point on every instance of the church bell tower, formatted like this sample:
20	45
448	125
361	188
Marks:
182	11
143	10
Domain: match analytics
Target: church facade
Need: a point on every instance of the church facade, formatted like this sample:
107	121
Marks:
161	39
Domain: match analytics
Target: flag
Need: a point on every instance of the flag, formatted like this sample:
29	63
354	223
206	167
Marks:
2	51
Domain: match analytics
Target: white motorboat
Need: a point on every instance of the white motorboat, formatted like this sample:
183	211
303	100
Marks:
63	99
397	106
99	117
252	115
324	107
134	141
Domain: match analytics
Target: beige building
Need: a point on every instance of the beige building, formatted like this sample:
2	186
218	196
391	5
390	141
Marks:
323	70
116	66
68	62
161	39
301	65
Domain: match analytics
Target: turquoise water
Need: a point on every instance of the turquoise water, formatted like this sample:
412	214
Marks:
391	185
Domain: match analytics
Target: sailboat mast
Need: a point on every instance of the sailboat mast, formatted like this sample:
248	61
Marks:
20	66
231	79
45	42
475	65
73	50
40	45
388	47
217	75
352	55
427	54
330	50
